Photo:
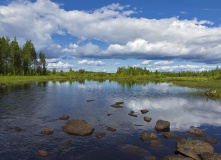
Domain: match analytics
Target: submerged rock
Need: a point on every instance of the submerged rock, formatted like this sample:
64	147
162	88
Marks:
65	143
143	111
111	129
148	136
169	136
90	100
152	158
161	125
197	145
117	106
17	129
119	102
197	132
131	113
147	119
78	127
210	140
210	156
177	157
134	149
47	131
100	135
155	143
188	152
43	153
64	117
109	114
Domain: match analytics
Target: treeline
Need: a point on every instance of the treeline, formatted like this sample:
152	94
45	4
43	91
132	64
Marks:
16	60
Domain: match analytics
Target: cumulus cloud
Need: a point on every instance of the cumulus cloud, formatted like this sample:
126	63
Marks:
52	60
86	62
126	36
146	62
161	63
59	65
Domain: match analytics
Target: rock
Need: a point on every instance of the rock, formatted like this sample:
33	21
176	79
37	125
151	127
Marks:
148	136
17	129
210	156
147	119
188	152
100	135
143	111
134	149
117	106
111	129
210	140
197	132
197	145
65	143
90	100
64	117
155	143
47	131
152	158
177	157
169	136
119	102
109	114
131	113
161	125
78	127
43	153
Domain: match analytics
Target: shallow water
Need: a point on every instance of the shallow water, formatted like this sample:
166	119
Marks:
35	106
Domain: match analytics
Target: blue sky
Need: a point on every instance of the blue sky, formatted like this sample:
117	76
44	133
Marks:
102	35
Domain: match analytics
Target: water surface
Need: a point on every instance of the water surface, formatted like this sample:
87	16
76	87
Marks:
35	106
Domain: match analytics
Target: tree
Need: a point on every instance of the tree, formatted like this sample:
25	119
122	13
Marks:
15	57
4	55
42	62
54	71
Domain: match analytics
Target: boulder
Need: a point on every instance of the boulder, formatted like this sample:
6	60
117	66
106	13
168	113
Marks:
177	157
161	125
155	143
111	129
143	111
210	140
210	156
47	131
197	145
100	135
65	143
43	153
64	117
147	119
148	136
169	136
78	127
188	152
197	132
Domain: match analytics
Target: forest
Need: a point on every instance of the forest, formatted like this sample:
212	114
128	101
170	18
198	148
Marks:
15	60
24	61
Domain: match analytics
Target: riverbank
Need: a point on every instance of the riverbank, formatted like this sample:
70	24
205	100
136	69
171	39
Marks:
196	82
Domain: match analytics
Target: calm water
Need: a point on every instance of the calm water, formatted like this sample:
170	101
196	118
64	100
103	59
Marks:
36	106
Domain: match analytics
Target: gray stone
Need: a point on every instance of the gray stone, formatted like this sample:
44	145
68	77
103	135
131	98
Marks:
78	127
197	132
148	136
161	124
197	145
143	111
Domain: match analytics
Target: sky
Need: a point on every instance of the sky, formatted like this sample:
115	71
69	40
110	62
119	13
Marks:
102	35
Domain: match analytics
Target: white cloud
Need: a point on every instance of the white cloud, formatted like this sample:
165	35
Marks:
86	62
59	65
146	62
52	60
127	37
161	63
116	64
